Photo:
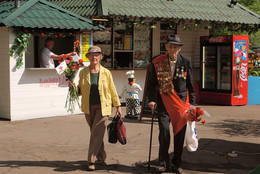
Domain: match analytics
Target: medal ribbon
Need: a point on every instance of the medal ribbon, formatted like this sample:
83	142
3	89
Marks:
171	100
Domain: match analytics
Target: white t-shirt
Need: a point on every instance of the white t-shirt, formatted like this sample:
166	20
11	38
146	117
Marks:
46	61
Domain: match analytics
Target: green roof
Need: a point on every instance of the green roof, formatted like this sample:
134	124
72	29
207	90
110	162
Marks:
81	7
42	14
208	10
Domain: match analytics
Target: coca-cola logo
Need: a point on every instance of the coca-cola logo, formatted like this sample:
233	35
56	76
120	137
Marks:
217	39
243	72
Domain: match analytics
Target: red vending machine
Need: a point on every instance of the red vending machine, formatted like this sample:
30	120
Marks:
224	70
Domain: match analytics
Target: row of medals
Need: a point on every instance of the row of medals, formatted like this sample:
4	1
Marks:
164	77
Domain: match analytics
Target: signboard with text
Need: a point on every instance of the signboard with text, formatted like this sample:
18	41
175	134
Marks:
86	40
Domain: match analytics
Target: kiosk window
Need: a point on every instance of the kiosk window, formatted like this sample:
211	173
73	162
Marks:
36	43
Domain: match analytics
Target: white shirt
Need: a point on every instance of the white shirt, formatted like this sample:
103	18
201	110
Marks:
46	61
131	91
172	65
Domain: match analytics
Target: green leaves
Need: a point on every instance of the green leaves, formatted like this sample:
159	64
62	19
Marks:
19	63
19	46
254	72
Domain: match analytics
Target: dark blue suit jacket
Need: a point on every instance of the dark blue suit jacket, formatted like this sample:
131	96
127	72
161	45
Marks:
181	85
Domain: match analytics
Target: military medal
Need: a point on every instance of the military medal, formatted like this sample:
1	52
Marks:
185	75
182	72
164	77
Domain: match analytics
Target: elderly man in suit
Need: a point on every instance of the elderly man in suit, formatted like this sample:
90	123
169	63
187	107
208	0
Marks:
171	72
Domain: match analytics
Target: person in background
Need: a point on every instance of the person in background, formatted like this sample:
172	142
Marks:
98	92
131	94
256	62
47	57
170	72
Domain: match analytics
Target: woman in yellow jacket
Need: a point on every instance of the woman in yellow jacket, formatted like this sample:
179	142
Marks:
98	93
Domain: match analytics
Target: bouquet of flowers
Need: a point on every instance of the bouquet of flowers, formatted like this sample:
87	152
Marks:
70	69
70	72
195	114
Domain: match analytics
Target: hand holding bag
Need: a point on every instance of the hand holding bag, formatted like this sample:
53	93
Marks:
191	138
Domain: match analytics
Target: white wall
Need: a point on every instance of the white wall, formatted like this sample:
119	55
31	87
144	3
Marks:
156	40
191	48
4	74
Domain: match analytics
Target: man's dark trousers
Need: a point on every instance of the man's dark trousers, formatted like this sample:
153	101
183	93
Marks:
164	140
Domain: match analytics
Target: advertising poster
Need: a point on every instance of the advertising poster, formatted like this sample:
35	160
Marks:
86	40
240	71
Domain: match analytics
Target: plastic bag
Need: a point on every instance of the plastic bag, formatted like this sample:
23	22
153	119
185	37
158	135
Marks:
191	138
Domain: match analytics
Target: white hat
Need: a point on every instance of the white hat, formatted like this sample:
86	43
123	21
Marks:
130	74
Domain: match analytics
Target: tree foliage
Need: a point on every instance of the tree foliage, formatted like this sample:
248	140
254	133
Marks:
254	38
253	5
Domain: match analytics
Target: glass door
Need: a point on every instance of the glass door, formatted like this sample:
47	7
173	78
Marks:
224	68
209	67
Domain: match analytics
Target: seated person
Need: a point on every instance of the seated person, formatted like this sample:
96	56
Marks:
47	57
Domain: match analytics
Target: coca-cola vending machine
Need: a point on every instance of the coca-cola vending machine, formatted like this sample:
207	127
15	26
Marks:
224	70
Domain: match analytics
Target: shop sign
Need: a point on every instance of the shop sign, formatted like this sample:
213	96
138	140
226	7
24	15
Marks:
86	40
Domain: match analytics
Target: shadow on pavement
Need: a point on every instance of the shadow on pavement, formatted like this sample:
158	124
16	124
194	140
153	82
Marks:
67	166
238	127
212	156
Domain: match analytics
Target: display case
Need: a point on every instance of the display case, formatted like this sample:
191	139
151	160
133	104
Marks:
224	62
224	68
208	67
123	46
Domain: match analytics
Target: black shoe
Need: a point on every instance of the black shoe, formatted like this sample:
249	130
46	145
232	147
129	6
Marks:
177	170
163	167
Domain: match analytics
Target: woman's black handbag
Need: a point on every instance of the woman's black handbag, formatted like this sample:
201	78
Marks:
112	130
116	131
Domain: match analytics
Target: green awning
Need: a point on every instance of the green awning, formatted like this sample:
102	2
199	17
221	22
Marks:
208	10
42	14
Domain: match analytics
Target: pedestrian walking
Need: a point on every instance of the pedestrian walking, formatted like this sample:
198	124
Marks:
171	75
98	93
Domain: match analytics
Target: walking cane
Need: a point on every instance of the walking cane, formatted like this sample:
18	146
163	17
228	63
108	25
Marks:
151	137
